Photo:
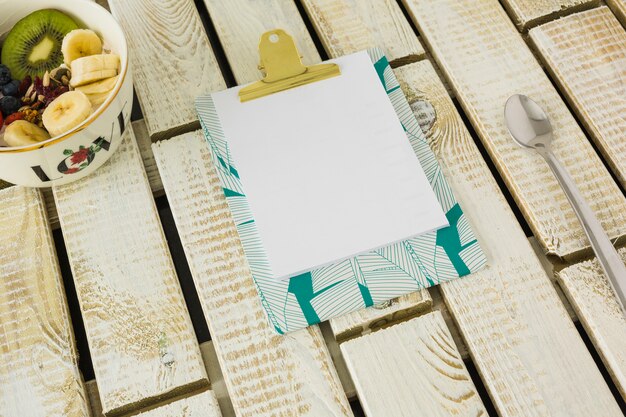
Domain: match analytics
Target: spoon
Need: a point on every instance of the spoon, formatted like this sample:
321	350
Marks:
530	127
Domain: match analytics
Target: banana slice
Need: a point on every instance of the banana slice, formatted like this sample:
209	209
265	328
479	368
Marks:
79	43
93	68
97	99
66	112
99	87
91	77
21	132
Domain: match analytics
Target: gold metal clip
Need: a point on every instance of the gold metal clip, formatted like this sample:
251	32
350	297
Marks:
283	67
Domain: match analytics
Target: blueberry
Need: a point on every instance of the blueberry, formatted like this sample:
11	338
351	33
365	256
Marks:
10	89
5	75
9	105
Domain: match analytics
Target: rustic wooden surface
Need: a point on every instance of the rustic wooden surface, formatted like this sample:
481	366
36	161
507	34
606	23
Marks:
525	13
598	310
486	61
39	375
172	61
140	336
354	323
586	55
203	404
412	366
240	23
518	333
506	319
347	26
619	9
265	373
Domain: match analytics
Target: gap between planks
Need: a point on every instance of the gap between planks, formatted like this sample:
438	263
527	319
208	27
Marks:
526	14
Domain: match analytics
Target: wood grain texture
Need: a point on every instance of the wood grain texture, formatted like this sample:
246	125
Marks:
594	301
347	26
355	323
203	404
266	373
525	346
619	9
142	343
412	366
240	24
586	55
39	376
145	149
486	61
526	13
172	61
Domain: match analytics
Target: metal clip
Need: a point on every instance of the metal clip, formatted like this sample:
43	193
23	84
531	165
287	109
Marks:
282	64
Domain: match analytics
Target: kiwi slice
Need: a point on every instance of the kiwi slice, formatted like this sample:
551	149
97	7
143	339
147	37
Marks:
33	46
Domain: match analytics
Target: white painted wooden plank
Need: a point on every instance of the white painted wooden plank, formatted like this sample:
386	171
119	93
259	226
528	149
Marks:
524	344
586	54
266	373
619	9
412	366
39	376
347	26
172	61
140	335
486	61
203	404
354	323
145	149
240	24
526	13
590	293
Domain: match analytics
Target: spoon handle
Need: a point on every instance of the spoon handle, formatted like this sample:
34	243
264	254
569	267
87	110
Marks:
608	257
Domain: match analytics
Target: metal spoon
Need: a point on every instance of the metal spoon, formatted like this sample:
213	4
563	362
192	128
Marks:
530	127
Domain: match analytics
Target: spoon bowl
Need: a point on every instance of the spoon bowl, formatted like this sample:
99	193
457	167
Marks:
528	124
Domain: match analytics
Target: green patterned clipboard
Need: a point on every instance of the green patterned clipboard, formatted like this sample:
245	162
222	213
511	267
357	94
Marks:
367	279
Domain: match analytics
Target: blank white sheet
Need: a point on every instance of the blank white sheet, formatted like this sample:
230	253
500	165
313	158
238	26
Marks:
327	169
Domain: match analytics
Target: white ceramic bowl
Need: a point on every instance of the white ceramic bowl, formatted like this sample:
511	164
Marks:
56	161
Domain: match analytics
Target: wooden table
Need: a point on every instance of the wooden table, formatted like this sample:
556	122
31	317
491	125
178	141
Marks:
128	266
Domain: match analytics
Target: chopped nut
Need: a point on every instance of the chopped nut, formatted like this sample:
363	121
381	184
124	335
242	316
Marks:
46	79
65	80
30	90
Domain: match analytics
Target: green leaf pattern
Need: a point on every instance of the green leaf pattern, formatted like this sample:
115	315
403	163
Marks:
367	279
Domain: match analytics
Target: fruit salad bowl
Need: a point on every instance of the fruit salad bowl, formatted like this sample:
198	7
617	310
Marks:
73	154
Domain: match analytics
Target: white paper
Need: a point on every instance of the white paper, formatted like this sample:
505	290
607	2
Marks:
327	169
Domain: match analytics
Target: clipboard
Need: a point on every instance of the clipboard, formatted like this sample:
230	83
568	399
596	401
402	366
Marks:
365	280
